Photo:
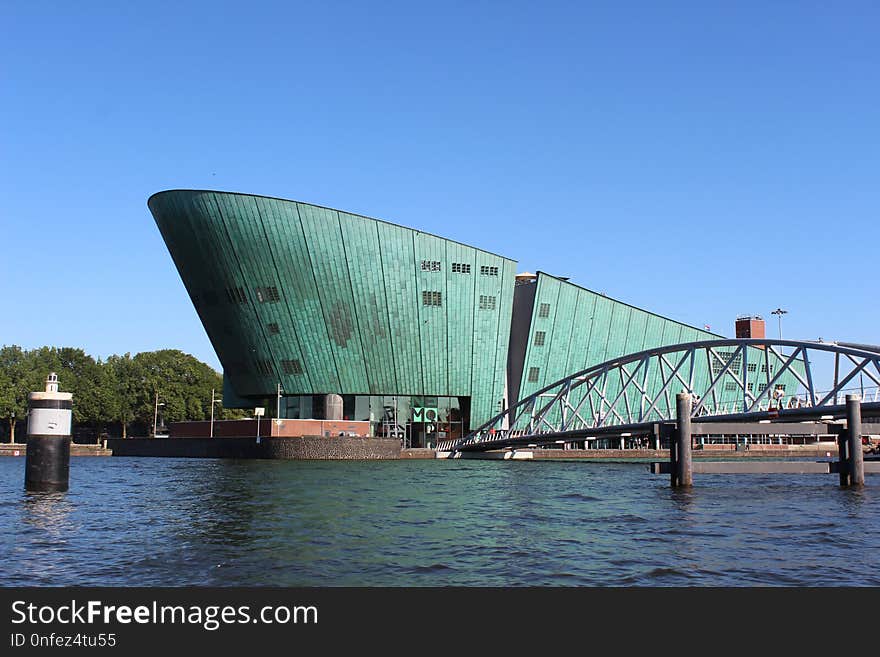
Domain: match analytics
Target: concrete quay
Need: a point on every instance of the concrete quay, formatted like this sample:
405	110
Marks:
20	449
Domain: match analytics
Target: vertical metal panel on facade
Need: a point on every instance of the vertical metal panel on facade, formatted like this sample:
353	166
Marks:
582	325
507	271
248	236
430	272
361	240
257	357
287	244
199	216
488	282
459	270
601	330
328	259
558	337
285	338
403	297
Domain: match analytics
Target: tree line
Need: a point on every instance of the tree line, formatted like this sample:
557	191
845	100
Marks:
116	396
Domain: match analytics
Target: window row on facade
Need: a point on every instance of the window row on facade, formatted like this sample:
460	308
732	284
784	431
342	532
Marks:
735	364
435	298
459	268
270	294
237	295
731	386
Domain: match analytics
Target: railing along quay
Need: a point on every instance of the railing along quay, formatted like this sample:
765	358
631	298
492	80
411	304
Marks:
850	466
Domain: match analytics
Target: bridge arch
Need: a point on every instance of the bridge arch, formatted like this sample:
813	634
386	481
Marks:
728	377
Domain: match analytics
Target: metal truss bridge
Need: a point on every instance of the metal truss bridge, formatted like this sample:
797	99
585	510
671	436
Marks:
739	380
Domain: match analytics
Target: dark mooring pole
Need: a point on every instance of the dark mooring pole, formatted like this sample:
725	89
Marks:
842	457
47	460
680	447
855	465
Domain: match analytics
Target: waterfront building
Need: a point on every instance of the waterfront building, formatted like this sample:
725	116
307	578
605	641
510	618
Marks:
321	313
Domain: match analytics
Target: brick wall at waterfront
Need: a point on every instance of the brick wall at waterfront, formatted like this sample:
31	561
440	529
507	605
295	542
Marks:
304	447
269	427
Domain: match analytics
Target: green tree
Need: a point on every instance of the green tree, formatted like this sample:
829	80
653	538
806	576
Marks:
121	389
120	385
17	378
182	382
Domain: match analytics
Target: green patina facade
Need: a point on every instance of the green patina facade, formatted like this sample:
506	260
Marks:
560	328
324	302
573	328
327	302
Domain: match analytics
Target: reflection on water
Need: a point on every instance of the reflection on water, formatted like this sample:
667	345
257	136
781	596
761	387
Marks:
47	512
430	523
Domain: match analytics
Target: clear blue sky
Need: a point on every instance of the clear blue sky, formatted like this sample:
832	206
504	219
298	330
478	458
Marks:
696	160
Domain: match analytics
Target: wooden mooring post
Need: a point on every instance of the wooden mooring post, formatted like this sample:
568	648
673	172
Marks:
849	445
680	457
851	465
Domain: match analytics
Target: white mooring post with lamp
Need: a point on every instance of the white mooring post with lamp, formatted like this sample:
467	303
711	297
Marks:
49	428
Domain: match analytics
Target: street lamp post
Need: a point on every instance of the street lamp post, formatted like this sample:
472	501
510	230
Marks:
258	413
214	400
278	403
156	413
779	312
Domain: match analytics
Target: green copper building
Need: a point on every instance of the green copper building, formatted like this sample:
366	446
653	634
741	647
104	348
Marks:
322	313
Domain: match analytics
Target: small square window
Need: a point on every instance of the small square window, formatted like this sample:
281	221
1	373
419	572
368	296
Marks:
432	298
487	302
273	328
540	336
291	366
268	294
533	374
544	310
235	295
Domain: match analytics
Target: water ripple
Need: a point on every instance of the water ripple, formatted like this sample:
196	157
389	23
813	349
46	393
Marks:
178	522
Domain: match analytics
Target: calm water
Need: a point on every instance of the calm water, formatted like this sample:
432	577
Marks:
433	523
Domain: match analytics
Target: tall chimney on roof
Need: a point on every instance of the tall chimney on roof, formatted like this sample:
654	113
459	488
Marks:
750	326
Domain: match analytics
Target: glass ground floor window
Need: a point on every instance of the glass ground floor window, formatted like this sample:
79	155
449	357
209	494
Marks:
417	420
